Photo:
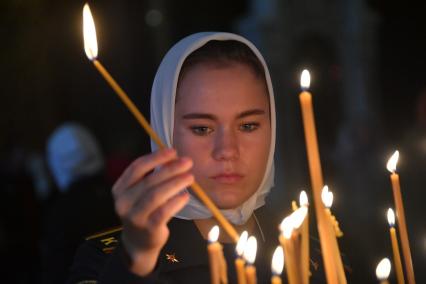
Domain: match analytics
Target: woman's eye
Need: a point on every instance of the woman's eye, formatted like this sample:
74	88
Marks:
249	127
201	130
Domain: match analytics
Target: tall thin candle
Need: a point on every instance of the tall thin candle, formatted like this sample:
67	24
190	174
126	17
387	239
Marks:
239	261
402	225
327	237
395	247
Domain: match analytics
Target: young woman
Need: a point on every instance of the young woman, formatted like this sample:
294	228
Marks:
213	105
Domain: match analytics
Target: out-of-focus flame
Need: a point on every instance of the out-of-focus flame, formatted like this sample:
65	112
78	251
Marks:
383	269
303	199
327	197
298	216
250	250
242	241
286	227
305	79
391	217
278	261
214	234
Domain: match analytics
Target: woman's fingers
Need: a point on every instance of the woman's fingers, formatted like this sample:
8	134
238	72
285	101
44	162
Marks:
173	168
140	167
151	200
126	198
163	214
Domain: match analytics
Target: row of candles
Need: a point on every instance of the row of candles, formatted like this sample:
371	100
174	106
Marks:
294	237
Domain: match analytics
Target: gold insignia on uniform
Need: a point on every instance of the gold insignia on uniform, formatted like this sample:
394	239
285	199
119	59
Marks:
108	250
109	241
171	258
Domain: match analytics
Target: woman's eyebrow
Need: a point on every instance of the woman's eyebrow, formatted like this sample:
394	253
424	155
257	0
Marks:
251	112
199	115
196	115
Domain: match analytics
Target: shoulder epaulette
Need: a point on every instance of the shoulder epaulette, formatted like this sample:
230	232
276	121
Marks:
105	232
106	240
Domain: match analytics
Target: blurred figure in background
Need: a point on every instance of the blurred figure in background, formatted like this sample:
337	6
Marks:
84	204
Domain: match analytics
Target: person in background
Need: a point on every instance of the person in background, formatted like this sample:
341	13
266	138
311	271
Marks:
84	203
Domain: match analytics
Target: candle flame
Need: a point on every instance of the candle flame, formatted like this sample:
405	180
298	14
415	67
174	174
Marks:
391	165
89	34
286	227
391	217
303	199
293	221
278	261
214	234
242	241
250	250
383	269
327	197
298	216
305	79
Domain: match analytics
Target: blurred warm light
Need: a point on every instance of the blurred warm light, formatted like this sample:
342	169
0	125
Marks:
383	269
305	79
327	197
303	199
278	261
391	217
89	34
213	234
286	227
242	241
298	216
250	250
391	165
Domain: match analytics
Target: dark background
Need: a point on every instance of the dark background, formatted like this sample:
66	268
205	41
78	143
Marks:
367	60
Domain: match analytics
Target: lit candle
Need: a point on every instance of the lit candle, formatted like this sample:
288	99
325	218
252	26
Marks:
277	265
303	202
327	237
383	270
239	261
399	206
395	247
327	198
214	249
250	256
91	49
290	241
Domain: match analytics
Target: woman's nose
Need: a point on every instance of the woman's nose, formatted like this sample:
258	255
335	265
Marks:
226	146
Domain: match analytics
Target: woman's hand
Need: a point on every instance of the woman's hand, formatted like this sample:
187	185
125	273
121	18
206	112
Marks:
146	200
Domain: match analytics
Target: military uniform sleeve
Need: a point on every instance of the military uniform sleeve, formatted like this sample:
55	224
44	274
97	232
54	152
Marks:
103	261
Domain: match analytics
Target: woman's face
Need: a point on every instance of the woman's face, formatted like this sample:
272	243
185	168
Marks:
222	122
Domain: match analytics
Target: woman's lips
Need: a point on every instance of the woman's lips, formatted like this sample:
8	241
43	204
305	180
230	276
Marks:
227	178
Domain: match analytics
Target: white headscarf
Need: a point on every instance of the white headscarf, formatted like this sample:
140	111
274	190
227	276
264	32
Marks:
163	96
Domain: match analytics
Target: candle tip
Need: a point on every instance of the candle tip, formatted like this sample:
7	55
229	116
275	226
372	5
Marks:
305	79
250	250
89	34
278	261
391	217
383	269
241	244
393	160
213	235
327	197
303	199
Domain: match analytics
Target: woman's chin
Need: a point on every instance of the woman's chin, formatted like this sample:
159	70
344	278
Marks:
228	202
